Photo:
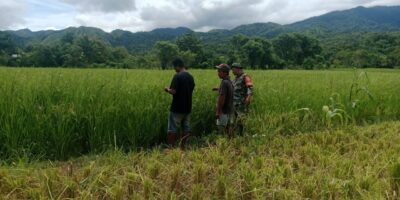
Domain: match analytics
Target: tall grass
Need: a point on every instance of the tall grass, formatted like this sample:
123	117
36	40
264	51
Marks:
58	113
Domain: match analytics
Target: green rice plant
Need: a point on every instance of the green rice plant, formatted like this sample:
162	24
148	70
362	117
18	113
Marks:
360	85
221	186
197	192
62	113
335	110
174	179
199	173
396	177
154	169
147	188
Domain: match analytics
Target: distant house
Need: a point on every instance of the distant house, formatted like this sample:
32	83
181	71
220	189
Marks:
15	56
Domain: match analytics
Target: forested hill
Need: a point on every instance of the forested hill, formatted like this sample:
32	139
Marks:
360	37
360	19
139	41
379	19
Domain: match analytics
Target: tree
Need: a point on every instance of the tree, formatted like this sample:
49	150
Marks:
267	57
191	43
254	52
238	41
295	48
286	47
310	47
188	57
360	58
95	51
6	44
3	58
166	52
314	63
236	52
74	56
394	57
40	56
68	38
120	53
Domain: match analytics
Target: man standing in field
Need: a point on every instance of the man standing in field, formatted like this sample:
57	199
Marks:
242	96
224	108
181	89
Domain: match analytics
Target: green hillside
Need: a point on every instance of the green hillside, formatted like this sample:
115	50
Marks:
360	19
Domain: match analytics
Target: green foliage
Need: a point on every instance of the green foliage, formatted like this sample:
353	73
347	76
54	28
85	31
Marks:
336	110
191	49
4	58
359	37
188	57
396	177
59	113
6	43
308	50
76	52
253	51
7	48
363	50
120	53
190	42
93	50
40	56
294	49
166	52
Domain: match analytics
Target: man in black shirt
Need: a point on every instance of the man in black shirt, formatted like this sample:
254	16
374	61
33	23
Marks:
224	109
181	89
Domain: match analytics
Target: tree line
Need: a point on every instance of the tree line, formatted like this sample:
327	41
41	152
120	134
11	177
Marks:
290	50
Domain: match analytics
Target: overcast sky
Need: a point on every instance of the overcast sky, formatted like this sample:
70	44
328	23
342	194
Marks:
144	15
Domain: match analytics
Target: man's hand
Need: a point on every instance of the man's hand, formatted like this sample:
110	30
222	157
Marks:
247	101
170	91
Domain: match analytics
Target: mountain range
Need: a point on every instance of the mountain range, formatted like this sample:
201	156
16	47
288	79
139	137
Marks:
359	19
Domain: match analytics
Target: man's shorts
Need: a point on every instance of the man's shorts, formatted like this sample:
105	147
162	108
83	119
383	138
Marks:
178	120
224	120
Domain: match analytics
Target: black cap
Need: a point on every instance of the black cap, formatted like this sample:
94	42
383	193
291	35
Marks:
223	67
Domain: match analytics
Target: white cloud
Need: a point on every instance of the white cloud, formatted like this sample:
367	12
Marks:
145	15
208	14
11	13
107	6
110	22
201	14
51	22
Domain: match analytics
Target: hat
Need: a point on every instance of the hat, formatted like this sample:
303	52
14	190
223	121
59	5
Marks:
237	65
223	67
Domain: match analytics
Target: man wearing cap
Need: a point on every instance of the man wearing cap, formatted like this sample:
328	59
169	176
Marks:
181	89
242	95
224	109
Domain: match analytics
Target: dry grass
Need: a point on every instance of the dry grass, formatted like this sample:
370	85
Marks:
354	163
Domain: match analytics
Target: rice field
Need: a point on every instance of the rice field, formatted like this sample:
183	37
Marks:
351	163
62	113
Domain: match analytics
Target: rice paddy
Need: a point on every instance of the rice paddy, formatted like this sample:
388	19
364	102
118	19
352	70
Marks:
64	113
100	133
